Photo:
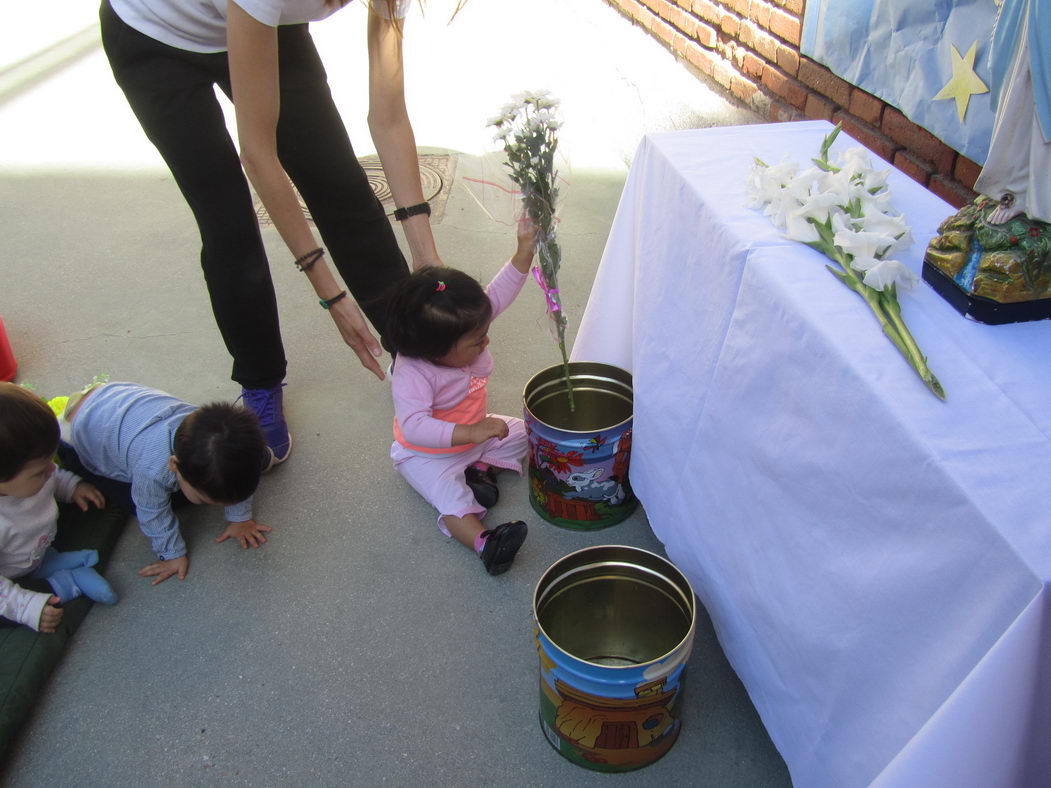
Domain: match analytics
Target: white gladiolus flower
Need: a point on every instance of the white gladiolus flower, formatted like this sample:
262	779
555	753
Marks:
855	160
892	226
853	201
818	206
889	272
862	244
799	229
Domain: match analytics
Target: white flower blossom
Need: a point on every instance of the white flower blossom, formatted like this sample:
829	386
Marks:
860	243
889	272
851	199
892	226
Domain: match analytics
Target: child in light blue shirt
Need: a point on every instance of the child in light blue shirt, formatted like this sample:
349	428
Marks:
163	446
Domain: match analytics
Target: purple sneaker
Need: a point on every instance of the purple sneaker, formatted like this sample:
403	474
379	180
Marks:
266	404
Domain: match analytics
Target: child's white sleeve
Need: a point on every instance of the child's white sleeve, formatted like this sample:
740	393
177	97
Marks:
65	483
20	604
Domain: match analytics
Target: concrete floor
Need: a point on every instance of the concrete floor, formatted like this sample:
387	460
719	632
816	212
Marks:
358	647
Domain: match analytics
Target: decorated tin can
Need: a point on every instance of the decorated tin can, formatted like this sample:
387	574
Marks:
579	453
614	629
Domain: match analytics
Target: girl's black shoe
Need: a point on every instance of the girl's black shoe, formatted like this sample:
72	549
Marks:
501	545
483	485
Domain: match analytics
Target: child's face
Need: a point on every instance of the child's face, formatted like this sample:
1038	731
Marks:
193	495
30	480
467	348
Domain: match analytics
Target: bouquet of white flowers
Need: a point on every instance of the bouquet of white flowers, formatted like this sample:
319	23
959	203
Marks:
843	210
527	126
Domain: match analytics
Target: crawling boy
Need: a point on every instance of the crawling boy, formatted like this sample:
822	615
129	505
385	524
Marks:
162	446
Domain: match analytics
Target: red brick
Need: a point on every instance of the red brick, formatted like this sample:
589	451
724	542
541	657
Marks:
759	12
818	108
664	32
966	171
918	140
780	112
743	88
729	24
785	26
788	60
687	23
747	33
629	8
700	58
766	45
824	82
880	144
785	87
708	11
678	44
740	7
723	73
705	35
751	66
660	7
866	106
793	6
913	166
954	193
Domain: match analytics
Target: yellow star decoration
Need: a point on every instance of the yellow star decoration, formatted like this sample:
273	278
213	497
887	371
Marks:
964	83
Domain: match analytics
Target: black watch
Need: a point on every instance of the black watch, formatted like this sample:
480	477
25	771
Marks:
401	214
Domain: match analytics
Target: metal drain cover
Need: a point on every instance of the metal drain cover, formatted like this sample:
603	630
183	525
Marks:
435	178
430	178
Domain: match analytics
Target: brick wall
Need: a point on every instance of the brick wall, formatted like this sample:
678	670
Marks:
750	48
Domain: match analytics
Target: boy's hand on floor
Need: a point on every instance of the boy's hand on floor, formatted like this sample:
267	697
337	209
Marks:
50	615
85	493
162	570
249	533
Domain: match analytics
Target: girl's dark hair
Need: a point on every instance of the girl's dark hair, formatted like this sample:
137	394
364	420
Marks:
220	450
28	430
428	312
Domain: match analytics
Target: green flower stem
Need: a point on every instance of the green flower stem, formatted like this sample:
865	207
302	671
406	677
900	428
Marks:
847	276
915	356
887	310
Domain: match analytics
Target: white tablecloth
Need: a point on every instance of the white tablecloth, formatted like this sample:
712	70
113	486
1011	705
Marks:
876	562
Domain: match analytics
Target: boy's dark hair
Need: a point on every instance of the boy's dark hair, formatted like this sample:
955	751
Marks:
219	449
429	311
28	429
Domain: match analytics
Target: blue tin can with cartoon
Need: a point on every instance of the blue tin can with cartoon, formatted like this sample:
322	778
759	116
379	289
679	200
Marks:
579	451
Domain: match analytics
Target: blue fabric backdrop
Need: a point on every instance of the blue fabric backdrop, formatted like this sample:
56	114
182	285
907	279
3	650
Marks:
898	50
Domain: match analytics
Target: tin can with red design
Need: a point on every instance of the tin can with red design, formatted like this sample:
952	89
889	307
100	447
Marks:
579	454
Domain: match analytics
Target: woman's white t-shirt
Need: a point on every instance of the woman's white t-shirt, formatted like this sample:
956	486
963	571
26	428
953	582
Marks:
200	25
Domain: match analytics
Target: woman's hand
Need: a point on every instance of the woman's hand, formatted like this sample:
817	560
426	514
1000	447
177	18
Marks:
355	332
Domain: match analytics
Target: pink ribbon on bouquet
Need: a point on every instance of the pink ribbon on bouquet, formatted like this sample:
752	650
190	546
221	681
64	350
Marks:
549	292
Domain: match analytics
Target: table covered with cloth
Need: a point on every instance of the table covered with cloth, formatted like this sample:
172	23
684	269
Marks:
875	561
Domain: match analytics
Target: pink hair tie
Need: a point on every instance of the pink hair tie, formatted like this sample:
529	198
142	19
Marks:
440	286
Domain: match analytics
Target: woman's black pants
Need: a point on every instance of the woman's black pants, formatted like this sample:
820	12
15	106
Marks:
171	91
